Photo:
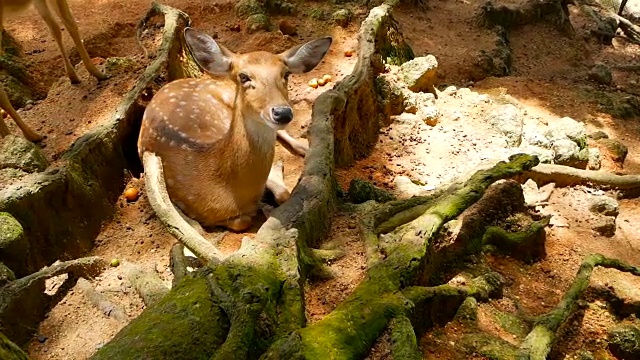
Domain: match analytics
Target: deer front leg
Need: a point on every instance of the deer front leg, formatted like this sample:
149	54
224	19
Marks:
300	147
275	183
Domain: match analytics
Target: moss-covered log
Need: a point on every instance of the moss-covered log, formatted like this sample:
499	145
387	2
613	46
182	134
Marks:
511	16
10	351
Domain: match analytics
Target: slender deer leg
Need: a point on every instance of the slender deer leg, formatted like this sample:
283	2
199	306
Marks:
1	26
45	12
298	146
70	23
275	183
26	130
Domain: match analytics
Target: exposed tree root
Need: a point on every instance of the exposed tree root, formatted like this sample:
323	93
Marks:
178	263
147	283
100	301
23	301
166	212
567	176
527	245
10	351
404	344
537	344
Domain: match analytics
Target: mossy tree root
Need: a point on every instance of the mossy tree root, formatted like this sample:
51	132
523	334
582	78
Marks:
10	351
537	344
527	245
146	282
404	344
350	330
567	176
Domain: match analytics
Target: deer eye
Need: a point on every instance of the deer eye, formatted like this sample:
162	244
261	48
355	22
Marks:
244	78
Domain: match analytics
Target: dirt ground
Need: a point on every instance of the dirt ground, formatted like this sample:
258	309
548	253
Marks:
548	81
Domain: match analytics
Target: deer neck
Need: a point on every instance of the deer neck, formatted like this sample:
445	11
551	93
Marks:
249	137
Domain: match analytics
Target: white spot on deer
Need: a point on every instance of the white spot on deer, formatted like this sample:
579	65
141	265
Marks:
172	100
182	103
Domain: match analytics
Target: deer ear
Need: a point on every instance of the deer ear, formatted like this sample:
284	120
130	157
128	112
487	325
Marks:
303	58
208	54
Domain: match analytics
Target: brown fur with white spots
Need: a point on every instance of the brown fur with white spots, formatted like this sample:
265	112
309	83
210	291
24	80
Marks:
216	136
44	8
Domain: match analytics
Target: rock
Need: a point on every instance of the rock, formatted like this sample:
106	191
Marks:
604	205
420	73
406	119
406	188
258	22
605	226
544	155
601	73
616	149
624	341
597	135
507	120
342	17
567	127
534	137
584	355
19	153
565	151
595	161
429	115
450	90
287	27
468	312
246	8
14	247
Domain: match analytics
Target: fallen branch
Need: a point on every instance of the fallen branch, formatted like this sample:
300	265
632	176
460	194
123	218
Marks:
175	224
568	176
101	302
147	283
537	344
83	267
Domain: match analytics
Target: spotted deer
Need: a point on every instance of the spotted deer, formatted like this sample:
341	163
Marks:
44	8
216	135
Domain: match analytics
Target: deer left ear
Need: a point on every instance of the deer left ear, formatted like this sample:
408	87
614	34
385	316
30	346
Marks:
303	58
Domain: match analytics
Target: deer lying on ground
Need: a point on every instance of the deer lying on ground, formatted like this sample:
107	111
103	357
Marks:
216	135
44	8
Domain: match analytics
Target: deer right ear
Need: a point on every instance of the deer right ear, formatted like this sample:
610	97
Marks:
208	54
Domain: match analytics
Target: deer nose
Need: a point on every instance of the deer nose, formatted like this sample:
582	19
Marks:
282	114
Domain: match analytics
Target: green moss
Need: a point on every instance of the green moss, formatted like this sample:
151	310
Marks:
361	191
257	22
185	324
404	345
246	8
487	345
511	323
10	351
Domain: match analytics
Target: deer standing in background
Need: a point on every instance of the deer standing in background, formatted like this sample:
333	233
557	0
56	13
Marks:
216	135
44	8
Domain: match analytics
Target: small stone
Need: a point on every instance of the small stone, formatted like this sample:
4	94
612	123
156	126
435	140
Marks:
19	153
257	22
595	161
406	188
565	150
536	138
429	115
597	135
42	339
420	73
616	149
342	17
604	205
287	27
507	120
605	226
450	90
624	341
567	127
601	73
